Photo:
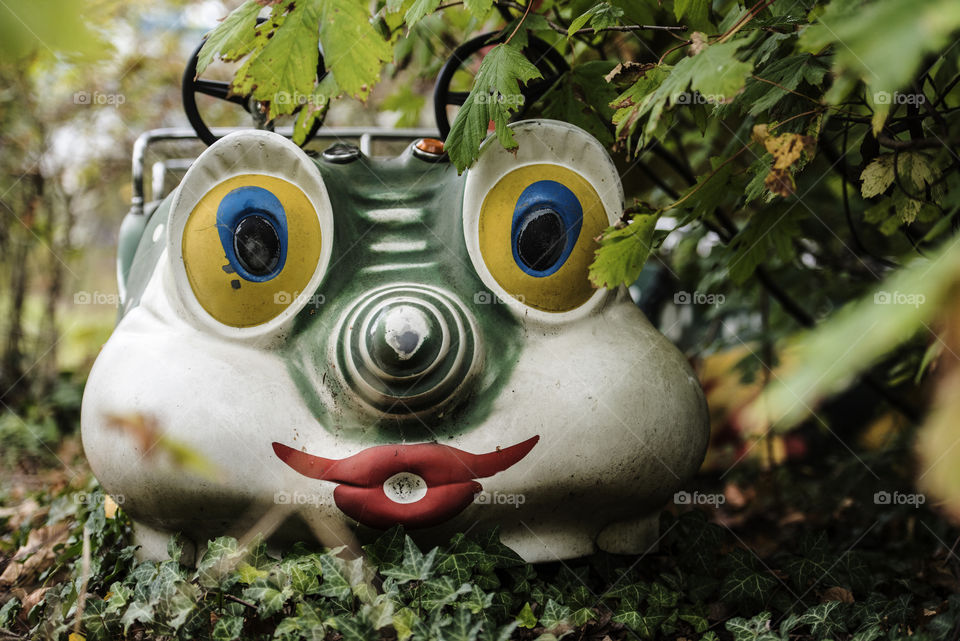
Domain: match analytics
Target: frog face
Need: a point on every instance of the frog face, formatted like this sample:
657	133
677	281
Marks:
373	342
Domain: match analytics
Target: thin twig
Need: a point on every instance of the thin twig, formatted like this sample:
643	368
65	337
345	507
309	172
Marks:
235	599
520	23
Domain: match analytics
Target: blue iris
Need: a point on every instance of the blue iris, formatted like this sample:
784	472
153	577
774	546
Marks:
253	231
545	228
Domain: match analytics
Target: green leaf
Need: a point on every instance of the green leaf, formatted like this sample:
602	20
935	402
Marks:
877	176
418	10
461	627
248	574
227	628
695	13
284	71
438	592
624	251
755	629
880	43
600	16
715	72
526	618
137	612
462	557
388	548
216	566
268	596
494	96
354	628
745	582
862	332
353	50
335	583
555	617
645	626
479	8
496	553
415	566
233	38
403	621
824	619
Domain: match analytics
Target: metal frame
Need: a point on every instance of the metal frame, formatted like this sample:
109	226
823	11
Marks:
366	136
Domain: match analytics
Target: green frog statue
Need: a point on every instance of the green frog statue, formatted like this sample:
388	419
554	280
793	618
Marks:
352	343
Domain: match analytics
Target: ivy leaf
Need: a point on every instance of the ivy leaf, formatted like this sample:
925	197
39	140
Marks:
233	38
268	597
496	553
415	566
137	612
755	629
227	628
744	581
645	626
354	628
526	618
494	96
461	558
555	617
335	583
461	627
624	251
388	548
823	619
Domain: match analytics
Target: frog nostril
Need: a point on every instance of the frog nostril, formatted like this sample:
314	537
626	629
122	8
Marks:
404	338
405	344
407	349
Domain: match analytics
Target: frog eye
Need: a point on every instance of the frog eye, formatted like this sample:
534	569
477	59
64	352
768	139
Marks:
530	220
252	225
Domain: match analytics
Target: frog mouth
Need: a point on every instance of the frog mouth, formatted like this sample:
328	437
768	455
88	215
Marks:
415	486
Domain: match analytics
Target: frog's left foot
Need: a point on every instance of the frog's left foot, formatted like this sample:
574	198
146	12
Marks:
631	536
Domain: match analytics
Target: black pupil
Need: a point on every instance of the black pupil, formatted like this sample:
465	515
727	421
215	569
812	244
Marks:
257	245
541	240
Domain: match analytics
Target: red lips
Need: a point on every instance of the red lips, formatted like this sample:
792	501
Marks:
447	471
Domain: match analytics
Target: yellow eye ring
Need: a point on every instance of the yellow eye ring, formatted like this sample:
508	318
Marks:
563	285
221	285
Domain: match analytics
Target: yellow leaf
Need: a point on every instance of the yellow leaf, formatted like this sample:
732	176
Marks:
109	507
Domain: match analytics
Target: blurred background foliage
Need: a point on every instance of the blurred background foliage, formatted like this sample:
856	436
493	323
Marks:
791	169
